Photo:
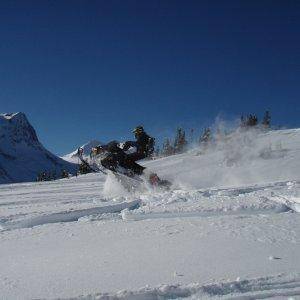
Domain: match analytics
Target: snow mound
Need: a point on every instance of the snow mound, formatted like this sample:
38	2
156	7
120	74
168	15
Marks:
22	156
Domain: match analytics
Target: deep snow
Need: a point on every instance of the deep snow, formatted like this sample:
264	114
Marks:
228	228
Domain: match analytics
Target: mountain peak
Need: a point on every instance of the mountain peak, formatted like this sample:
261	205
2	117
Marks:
11	115
22	156
16	129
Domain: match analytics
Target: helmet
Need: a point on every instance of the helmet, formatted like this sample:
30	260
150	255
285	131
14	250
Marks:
138	130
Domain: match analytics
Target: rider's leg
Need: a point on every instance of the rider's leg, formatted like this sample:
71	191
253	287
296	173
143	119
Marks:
130	162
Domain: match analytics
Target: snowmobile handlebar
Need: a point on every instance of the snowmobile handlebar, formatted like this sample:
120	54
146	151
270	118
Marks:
97	150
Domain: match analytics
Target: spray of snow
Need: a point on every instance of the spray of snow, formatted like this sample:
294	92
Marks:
112	187
242	157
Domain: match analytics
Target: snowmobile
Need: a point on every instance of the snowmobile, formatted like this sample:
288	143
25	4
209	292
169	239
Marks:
115	160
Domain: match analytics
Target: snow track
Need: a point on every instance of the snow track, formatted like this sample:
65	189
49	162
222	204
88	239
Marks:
131	216
259	199
252	200
256	288
70	216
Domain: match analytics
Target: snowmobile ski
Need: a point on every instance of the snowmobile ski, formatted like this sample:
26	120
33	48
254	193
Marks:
89	166
128	182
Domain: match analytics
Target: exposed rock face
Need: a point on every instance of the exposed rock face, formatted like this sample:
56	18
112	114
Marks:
22	156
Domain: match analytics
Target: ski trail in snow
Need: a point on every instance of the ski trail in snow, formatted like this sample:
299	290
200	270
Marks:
128	215
69	216
256	288
251	200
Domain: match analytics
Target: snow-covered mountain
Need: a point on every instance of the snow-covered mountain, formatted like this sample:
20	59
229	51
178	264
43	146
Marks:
22	156
229	228
73	156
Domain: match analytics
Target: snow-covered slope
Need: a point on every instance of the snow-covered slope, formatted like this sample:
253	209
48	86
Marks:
241	158
73	156
22	156
228	229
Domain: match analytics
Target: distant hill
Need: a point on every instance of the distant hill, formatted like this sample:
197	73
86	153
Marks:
22	156
73	156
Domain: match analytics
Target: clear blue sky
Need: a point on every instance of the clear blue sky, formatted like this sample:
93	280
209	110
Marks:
95	69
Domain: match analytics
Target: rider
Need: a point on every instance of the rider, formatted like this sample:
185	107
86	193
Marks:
144	145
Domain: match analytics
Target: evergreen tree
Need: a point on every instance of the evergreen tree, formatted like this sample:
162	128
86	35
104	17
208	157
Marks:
157	151
192	136
167	148
48	176
83	169
53	175
243	121
267	119
206	136
64	174
180	141
177	137
251	120
39	177
43	176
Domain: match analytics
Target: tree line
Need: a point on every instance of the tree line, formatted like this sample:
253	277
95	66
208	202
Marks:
52	175
180	143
